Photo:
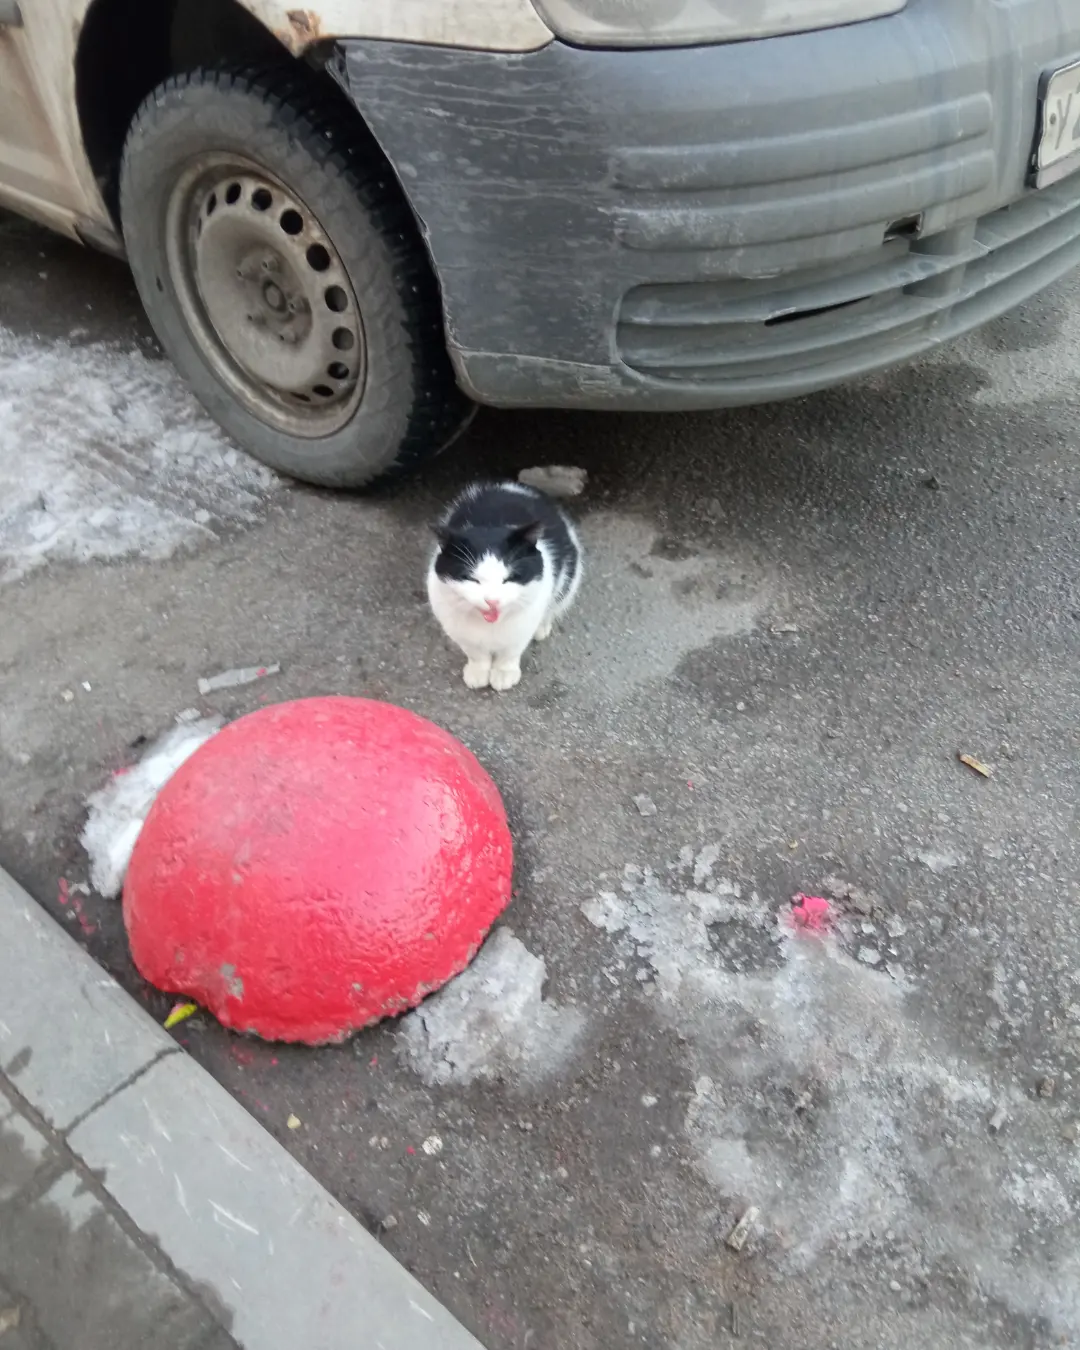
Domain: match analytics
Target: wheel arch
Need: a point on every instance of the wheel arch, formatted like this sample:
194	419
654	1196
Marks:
126	48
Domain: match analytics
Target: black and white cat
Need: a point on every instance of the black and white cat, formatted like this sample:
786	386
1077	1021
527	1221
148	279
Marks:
508	564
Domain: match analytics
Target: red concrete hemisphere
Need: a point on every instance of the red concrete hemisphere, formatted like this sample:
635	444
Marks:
316	866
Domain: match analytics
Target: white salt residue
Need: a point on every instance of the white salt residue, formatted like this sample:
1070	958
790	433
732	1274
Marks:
118	810
492	1021
939	861
104	454
705	862
820	1096
670	929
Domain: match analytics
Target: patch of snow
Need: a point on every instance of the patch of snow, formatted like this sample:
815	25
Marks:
706	861
491	1021
823	1093
117	811
105	454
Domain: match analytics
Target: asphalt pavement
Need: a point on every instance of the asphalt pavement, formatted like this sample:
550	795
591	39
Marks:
795	619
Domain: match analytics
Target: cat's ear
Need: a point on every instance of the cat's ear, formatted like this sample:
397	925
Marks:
529	534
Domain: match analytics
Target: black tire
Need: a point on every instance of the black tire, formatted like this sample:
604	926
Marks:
302	137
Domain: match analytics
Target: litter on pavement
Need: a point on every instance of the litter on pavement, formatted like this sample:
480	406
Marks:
230	679
557	480
180	1013
976	765
736	1239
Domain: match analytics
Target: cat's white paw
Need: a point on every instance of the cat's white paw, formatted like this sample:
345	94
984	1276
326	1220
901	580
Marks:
544	631
504	677
478	674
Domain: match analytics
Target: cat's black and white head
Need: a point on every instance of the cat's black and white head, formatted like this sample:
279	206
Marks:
493	552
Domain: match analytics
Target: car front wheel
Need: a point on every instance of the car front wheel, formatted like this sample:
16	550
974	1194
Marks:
283	272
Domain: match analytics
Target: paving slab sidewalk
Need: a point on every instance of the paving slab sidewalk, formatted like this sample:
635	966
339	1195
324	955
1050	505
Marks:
141	1205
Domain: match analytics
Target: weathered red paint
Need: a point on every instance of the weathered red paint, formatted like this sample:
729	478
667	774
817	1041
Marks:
811	912
316	866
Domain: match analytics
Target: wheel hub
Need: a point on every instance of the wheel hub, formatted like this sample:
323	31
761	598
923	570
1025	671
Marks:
272	297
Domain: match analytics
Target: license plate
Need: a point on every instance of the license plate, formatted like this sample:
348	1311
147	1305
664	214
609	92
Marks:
1057	149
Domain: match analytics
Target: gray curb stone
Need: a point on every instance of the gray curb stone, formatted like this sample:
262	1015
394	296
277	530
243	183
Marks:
69	1035
200	1177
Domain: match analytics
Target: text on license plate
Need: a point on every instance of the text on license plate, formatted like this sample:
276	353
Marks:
1058	150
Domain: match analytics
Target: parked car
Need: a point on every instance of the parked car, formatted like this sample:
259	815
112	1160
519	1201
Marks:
350	223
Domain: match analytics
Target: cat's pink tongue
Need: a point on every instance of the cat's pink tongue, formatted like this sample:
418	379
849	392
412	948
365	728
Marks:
491	613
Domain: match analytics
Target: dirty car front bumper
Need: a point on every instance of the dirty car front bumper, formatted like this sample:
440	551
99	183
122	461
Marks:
724	225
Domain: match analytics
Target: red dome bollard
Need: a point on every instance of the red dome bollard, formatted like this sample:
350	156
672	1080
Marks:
316	866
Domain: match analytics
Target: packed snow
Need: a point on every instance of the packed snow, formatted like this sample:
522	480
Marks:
492	1021
822	1090
105	454
118	810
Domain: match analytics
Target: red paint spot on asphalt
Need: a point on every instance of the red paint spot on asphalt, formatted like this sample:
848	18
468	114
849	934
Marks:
87	927
74	904
811	912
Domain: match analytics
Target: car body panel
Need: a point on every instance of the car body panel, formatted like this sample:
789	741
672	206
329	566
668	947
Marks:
670	228
43	169
707	226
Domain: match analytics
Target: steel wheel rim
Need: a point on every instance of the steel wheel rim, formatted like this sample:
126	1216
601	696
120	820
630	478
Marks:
266	296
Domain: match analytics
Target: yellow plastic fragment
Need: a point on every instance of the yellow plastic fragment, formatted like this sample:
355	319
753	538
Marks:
180	1013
